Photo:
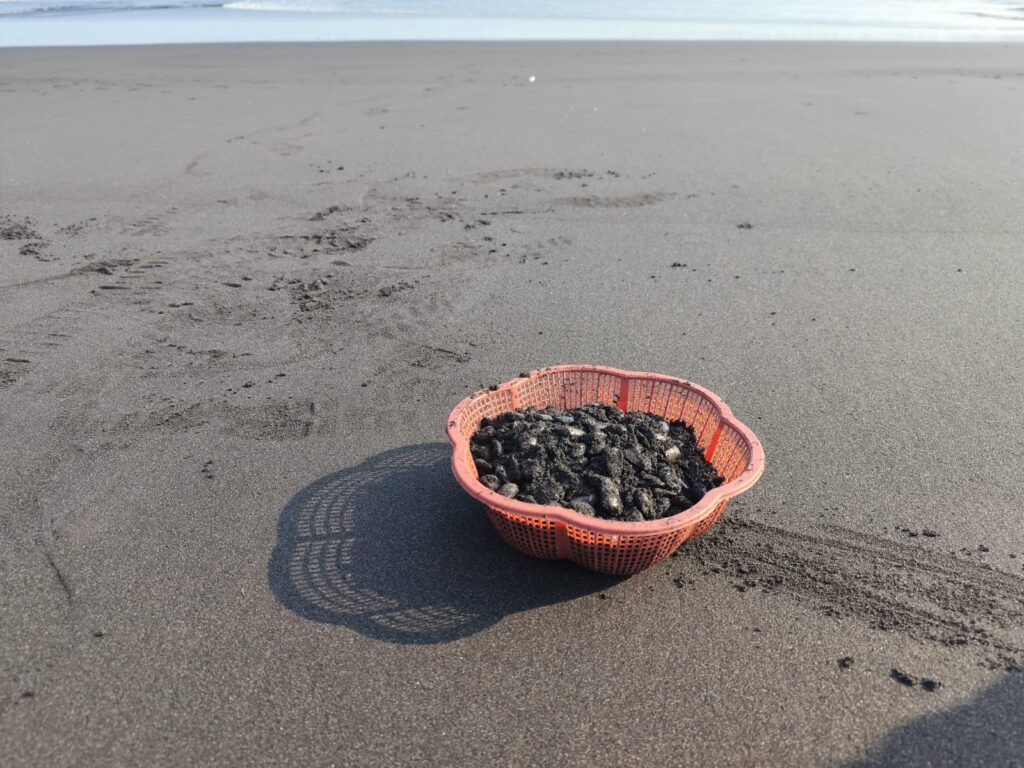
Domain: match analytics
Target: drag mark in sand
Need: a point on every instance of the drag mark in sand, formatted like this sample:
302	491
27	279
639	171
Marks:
333	241
556	174
275	419
12	228
624	201
191	168
910	590
436	358
59	574
28	341
136	275
271	130
152	225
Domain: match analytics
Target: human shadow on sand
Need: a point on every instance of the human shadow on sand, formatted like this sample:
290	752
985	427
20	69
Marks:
983	732
394	549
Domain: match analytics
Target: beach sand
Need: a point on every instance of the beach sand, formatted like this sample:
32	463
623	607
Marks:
242	286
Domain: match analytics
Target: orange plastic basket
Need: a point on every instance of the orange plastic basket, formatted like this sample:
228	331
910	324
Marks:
608	546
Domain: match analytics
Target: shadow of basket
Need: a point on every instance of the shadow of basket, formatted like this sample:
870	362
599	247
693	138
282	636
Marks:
394	549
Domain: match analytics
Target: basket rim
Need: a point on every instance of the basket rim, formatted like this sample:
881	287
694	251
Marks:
465	475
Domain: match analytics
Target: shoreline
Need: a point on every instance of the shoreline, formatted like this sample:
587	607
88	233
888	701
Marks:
221	24
621	46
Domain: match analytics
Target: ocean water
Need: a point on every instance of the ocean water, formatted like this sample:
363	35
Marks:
111	22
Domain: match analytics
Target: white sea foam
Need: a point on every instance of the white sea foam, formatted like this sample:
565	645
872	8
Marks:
926	14
92	7
86	22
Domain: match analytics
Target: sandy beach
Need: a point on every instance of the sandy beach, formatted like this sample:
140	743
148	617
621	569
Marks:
241	287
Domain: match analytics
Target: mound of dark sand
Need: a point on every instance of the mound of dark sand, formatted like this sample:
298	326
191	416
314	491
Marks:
597	460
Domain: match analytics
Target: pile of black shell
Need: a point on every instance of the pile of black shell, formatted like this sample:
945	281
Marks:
597	460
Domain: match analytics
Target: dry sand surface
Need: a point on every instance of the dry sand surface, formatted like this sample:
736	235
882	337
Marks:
241	287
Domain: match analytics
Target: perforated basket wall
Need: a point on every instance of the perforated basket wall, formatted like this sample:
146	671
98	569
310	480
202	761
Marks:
608	546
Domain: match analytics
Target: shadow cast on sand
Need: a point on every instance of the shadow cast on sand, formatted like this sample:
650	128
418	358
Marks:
394	549
985	732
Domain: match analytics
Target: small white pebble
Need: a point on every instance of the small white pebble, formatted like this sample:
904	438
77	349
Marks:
533	79
672	453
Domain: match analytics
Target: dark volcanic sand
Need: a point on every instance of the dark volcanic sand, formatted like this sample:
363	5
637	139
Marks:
597	460
887	398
